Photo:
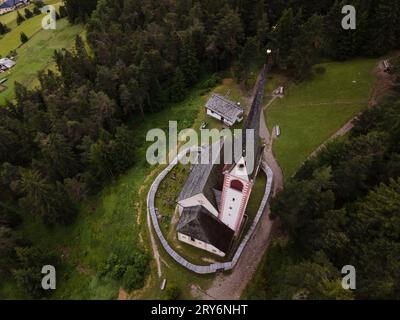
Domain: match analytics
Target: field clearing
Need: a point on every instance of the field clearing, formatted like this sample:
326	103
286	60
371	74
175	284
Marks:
37	54
11	40
10	19
312	111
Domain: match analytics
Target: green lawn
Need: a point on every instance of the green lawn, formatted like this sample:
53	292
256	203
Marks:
10	19
11	40
313	110
37	54
106	224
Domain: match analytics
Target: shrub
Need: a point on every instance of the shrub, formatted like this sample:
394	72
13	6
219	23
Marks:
131	268
133	279
39	4
36	11
63	11
27	272
20	18
24	37
172	291
214	80
3	29
28	13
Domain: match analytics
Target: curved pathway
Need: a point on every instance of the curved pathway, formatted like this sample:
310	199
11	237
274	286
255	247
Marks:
212	268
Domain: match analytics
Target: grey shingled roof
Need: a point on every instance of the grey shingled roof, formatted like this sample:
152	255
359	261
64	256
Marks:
253	119
198	223
204	178
253	123
224	107
218	194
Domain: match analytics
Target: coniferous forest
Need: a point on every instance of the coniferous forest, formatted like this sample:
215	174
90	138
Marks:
75	133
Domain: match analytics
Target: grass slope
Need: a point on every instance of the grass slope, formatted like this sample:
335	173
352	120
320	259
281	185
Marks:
313	110
10	19
37	54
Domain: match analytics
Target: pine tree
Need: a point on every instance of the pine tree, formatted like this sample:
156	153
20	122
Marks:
189	64
283	35
384	27
58	155
36	11
263	30
247	57
20	18
339	43
80	10
63	12
3	29
306	45
28	13
39	4
178	86
227	38
24	38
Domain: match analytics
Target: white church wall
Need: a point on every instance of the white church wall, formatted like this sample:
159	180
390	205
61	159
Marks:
198	200
233	201
200	244
232	211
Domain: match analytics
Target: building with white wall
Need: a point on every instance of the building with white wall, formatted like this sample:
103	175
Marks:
223	109
10	5
6	64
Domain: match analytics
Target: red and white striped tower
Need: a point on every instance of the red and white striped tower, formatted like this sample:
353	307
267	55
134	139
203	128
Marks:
235	195
238	180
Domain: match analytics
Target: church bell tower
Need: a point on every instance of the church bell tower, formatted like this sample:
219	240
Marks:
240	176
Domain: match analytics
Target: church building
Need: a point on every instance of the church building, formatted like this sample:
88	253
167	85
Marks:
213	201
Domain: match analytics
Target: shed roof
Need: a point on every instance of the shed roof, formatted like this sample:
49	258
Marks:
7	62
198	223
224	107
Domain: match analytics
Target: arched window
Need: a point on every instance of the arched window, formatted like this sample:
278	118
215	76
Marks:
237	185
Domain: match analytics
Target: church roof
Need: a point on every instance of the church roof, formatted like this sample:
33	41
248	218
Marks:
204	178
253	119
198	223
253	123
224	107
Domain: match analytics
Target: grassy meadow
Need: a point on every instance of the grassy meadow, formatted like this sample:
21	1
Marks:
315	109
36	54
11	40
10	19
